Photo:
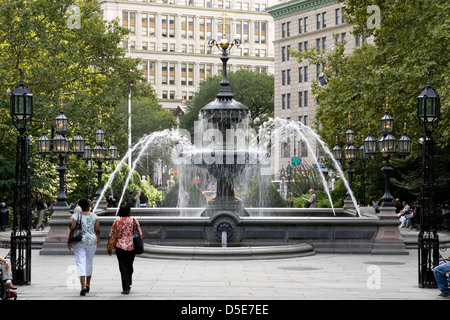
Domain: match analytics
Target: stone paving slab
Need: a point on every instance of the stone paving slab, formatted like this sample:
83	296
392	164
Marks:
322	276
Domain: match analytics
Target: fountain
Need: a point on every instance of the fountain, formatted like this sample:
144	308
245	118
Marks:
226	229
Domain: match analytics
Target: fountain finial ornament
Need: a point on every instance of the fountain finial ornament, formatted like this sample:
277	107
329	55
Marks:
225	46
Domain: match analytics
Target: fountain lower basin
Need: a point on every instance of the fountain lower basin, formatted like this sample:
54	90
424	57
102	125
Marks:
286	233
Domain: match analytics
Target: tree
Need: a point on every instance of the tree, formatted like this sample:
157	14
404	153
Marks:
390	72
81	67
253	90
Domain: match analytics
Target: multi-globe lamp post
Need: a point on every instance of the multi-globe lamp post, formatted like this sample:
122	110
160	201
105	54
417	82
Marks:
428	112
98	154
61	147
387	147
21	114
351	154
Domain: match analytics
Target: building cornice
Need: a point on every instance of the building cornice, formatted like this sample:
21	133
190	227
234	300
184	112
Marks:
296	6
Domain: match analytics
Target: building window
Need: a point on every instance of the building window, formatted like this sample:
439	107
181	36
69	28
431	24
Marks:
337	16
288	76
241	30
129	21
300	99
168	26
164	72
285	150
305	74
305	98
300	74
283	30
288	101
283	101
318	21
302	148
324	19
259	32
283	78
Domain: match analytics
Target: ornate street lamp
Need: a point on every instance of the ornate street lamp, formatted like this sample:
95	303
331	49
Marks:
362	157
370	144
337	151
387	147
21	113
61	146
428	112
99	155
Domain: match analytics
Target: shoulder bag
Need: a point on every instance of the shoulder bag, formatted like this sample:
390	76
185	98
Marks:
137	240
77	234
113	239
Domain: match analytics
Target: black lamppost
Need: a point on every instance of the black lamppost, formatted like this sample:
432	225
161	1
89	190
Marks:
362	157
21	113
350	154
98	154
61	149
387	146
428	112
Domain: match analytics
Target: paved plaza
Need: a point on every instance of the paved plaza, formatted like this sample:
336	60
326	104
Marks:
321	276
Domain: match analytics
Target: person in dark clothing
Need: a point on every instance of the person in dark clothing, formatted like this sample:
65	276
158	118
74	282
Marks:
40	206
131	201
111	198
143	200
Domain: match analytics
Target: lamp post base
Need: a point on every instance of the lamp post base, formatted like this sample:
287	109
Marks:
388	240
56	240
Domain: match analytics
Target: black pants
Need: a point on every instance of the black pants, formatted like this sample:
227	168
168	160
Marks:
125	259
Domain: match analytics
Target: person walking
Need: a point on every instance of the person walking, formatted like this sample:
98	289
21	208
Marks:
84	250
111	199
40	206
124	226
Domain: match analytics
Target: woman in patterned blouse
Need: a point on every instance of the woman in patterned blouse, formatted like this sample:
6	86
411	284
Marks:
124	245
84	250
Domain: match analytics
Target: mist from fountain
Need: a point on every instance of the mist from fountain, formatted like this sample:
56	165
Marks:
178	143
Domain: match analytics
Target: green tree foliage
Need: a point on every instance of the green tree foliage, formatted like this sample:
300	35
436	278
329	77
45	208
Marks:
77	63
263	194
254	90
412	38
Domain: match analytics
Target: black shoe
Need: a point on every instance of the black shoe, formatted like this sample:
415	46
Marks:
444	295
87	288
83	292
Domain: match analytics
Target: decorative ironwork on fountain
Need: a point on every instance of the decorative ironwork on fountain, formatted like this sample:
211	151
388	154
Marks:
224	126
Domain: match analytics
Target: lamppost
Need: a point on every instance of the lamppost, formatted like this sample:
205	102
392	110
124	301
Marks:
388	232
350	155
21	113
428	112
363	158
61	149
98	154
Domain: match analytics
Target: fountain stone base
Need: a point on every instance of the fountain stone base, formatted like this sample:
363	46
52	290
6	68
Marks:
230	204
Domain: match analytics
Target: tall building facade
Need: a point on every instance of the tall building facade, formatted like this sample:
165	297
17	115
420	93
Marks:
302	25
171	37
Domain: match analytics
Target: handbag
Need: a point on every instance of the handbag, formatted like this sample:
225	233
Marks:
77	233
113	239
137	240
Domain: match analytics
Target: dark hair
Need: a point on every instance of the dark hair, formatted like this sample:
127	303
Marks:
124	210
84	204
